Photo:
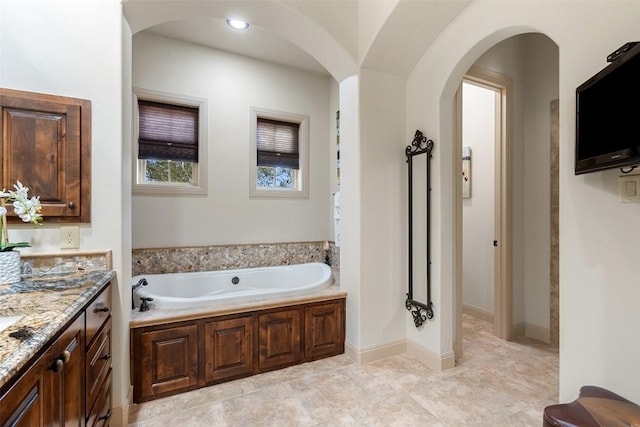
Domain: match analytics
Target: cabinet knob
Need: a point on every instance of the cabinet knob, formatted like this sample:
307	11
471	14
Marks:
106	356
71	205
65	356
57	366
105	416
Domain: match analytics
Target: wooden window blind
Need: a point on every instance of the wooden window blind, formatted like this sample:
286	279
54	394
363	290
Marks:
167	132
277	143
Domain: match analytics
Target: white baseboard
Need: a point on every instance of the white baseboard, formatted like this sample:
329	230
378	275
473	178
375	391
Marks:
431	359
376	352
120	414
370	354
535	332
478	313
518	330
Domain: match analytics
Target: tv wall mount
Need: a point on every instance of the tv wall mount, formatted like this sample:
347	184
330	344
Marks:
619	52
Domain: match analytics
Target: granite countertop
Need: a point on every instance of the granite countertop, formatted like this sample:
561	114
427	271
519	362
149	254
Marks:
46	303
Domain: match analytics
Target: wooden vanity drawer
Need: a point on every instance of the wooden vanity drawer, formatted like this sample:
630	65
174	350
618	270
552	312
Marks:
100	414
98	363
97	313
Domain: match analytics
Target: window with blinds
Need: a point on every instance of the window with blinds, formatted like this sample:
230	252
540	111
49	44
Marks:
277	143
167	132
168	157
279	154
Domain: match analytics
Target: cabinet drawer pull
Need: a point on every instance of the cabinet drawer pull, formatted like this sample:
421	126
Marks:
57	366
102	309
106	356
105	416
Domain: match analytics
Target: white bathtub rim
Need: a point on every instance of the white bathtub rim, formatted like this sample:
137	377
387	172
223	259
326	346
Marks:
155	317
165	302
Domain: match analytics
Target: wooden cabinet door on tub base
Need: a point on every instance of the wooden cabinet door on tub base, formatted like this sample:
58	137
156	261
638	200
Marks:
228	348
175	357
324	330
279	339
167	361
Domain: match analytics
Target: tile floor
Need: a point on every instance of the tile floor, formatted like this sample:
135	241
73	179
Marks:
496	383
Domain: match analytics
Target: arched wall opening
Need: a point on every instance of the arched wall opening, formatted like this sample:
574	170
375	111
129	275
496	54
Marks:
440	118
526	301
306	33
273	17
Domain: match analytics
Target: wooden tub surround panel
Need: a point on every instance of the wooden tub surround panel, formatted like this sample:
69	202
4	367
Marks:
172	358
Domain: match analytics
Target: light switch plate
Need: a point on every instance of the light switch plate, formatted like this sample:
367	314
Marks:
629	188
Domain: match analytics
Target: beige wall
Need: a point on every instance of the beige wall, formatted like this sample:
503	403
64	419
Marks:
73	48
231	85
598	286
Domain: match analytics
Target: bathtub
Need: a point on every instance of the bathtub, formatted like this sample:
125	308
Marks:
208	288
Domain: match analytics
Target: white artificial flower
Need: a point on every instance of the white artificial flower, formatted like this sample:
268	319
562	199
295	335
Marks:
19	207
27	209
21	190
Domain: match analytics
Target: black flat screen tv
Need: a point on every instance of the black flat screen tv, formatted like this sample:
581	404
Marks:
608	116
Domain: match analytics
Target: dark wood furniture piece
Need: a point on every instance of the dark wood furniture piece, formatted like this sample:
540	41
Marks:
46	145
70	382
47	393
595	407
98	360
176	357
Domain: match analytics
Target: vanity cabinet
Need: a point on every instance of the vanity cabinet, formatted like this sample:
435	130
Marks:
167	359
46	144
54	388
48	392
29	402
68	378
97	361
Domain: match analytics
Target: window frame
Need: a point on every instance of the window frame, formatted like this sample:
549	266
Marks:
302	179
199	185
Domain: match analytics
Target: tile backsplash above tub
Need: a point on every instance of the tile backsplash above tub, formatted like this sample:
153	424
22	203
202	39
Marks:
228	257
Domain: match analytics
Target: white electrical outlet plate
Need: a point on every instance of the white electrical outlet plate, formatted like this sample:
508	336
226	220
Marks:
69	237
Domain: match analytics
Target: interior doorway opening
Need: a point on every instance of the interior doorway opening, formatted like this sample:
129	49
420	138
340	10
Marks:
480	108
483	283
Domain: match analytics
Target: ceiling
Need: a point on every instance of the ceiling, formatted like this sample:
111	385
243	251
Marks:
254	42
388	36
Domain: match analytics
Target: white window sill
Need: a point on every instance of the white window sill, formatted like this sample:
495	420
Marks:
168	190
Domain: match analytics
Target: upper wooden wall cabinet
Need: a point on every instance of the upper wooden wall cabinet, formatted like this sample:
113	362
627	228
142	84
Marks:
46	145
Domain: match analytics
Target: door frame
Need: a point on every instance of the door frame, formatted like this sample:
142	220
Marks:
503	262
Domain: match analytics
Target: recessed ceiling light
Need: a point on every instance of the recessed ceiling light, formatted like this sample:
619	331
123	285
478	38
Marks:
237	24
